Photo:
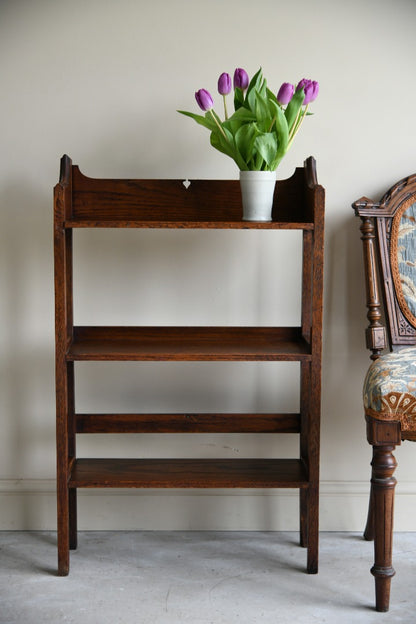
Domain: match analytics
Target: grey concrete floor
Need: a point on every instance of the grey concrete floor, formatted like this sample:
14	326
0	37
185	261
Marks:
199	578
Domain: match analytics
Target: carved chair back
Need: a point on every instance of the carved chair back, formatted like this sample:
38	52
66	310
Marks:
389	238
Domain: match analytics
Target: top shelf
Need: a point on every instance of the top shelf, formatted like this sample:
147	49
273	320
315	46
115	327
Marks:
181	224
216	204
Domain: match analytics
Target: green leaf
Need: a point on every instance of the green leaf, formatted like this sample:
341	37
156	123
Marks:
255	85
256	81
218	141
257	163
228	147
270	95
294	107
262	109
237	119
266	145
263	88
213	115
206	121
241	115
282	133
238	98
244	140
281	125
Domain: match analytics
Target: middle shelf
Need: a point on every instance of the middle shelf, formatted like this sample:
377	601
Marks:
188	344
188	473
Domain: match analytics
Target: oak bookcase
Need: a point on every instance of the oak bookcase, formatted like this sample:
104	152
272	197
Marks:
83	202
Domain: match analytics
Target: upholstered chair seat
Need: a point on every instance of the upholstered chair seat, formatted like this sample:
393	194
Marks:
390	388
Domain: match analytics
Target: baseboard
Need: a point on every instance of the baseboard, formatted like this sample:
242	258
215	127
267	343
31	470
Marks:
30	504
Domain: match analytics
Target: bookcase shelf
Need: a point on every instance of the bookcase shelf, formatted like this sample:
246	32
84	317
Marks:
180	224
188	473
83	202
188	344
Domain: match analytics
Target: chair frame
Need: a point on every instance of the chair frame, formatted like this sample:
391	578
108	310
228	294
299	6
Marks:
379	235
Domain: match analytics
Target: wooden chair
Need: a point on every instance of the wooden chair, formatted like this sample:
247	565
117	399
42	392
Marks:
389	240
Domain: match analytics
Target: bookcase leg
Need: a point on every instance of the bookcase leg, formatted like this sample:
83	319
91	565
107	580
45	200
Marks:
313	529
73	534
63	529
303	513
64	375
72	502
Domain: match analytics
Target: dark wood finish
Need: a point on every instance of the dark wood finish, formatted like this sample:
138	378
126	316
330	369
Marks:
188	343
311	371
187	423
382	290
188	473
376	339
379	216
206	225
95	203
382	487
167	203
65	450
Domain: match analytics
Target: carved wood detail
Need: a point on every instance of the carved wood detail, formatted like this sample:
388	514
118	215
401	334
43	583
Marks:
376	332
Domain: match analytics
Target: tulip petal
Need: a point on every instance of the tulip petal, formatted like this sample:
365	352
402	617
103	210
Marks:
285	93
241	79
224	84
204	99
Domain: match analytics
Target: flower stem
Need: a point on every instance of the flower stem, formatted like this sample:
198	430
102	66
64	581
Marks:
218	124
271	125
225	108
297	125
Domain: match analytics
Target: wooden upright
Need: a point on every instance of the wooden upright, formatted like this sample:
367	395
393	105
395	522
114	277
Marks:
82	202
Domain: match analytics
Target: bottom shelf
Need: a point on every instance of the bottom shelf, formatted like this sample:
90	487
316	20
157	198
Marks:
188	473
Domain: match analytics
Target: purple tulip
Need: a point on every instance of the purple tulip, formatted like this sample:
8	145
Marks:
224	84
240	79
315	90
311	89
204	99
302	84
285	93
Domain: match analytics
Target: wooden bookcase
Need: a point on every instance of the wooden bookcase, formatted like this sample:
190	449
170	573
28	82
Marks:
82	202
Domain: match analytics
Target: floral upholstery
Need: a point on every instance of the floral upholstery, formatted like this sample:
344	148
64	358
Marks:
390	388
406	256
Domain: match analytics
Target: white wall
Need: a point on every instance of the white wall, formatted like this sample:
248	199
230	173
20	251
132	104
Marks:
101	81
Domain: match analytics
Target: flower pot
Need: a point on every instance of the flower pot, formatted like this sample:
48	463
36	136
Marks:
257	191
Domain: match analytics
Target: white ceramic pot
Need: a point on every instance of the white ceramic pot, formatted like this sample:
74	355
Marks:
257	191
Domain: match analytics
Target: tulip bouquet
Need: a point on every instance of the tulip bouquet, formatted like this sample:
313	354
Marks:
262	128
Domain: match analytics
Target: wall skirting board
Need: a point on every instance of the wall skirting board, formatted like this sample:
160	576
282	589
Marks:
30	504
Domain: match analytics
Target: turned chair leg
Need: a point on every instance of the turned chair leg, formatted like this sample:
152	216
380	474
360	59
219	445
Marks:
369	527
381	521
